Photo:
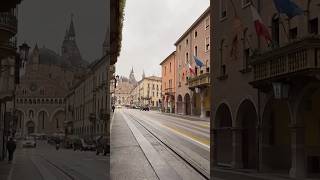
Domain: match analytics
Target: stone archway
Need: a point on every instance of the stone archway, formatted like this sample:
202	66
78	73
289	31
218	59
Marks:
57	122
247	119
179	104
172	103
223	137
187	104
276	137
42	121
30	127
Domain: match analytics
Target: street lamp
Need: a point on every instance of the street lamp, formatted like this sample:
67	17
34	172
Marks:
116	79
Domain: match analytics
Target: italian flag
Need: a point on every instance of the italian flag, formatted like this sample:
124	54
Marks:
261	29
191	69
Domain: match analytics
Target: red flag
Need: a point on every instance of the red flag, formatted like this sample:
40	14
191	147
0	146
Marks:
261	29
191	69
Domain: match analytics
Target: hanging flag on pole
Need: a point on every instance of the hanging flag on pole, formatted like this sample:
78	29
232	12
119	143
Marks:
198	61
261	29
191	69
288	7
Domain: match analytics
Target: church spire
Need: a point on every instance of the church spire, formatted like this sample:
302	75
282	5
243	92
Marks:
132	79
72	32
143	75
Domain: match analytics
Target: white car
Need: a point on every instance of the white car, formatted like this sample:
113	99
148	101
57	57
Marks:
29	142
118	106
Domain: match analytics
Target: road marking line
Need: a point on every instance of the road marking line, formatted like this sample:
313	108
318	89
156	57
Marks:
179	133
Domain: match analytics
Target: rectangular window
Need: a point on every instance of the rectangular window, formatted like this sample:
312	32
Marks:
195	34
207	41
313	26
187	58
207	23
187	43
275	31
246	56
293	33
196	51
223	9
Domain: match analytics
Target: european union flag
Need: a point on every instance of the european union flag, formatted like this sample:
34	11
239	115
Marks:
198	61
288	7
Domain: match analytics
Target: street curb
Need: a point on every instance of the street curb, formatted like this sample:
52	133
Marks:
111	122
201	167
159	165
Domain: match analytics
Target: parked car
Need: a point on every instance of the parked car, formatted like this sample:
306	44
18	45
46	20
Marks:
118	106
146	108
82	145
29	142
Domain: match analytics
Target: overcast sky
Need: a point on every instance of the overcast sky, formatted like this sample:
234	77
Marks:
45	22
151	27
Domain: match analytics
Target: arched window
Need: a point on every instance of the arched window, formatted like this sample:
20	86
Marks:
222	65
246	50
30	114
57	123
275	30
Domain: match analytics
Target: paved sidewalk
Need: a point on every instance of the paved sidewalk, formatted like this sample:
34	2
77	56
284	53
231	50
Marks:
4	169
127	159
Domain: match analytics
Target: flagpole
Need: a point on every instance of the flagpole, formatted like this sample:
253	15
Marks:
284	28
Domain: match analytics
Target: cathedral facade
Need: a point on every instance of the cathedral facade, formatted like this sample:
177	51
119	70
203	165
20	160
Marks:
46	78
124	87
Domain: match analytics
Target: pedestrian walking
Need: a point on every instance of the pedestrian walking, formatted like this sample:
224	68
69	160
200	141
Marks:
11	147
113	108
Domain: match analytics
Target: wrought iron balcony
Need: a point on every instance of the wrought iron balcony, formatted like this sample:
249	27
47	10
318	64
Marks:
202	80
169	91
8	48
8	23
298	58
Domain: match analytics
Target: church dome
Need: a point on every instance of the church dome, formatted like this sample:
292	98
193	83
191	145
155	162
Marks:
47	56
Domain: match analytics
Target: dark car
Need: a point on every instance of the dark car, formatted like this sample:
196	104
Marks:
82	145
145	108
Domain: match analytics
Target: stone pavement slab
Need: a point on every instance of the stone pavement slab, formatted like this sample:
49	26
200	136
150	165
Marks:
4	170
162	169
127	160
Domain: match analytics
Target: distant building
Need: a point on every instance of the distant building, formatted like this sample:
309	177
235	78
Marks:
45	81
169	76
124	88
86	102
147	92
193	90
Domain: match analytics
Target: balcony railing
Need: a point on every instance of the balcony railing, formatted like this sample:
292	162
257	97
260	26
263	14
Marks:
8	22
202	80
8	48
169	91
297	57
